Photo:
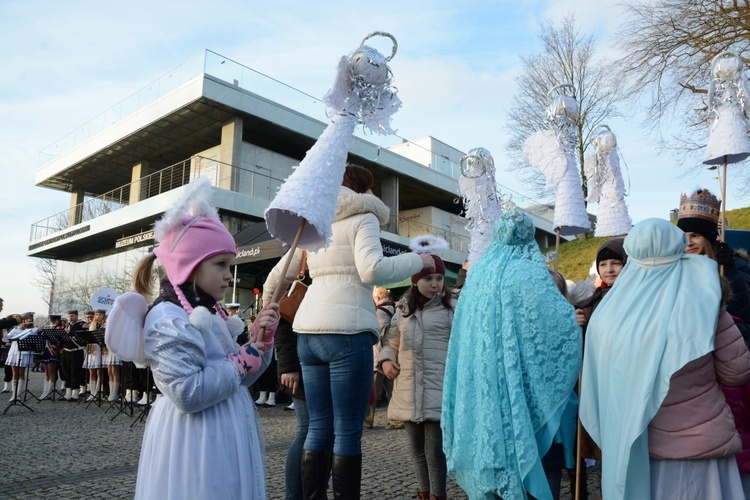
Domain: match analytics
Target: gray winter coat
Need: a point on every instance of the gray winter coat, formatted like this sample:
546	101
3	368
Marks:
419	343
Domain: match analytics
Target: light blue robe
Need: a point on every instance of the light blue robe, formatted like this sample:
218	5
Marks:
513	360
660	314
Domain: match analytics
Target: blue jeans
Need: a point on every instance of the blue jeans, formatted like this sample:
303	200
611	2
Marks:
293	471
337	370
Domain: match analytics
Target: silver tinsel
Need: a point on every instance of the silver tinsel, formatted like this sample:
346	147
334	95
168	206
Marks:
364	87
562	116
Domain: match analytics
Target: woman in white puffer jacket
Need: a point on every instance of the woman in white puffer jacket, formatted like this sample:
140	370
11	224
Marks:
337	328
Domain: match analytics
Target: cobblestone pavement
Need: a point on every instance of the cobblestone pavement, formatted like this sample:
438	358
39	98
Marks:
68	450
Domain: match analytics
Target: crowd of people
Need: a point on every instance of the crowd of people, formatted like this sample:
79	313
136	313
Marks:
75	368
504	381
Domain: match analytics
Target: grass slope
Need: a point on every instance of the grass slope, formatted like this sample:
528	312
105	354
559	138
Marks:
577	256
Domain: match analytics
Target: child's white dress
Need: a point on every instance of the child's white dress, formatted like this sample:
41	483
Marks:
201	438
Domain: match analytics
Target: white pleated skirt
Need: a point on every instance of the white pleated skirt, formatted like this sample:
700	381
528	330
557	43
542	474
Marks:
16	357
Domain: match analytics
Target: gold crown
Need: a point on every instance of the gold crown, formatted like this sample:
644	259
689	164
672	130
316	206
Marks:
702	204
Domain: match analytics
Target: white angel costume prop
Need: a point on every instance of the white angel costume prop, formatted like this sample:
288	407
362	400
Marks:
729	110
361	93
551	152
481	206
606	186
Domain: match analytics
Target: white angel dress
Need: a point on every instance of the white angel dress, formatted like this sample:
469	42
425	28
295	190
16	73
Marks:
561	174
201	438
608	189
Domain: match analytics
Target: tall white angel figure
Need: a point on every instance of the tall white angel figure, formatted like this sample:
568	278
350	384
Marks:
552	152
481	205
606	185
729	109
305	205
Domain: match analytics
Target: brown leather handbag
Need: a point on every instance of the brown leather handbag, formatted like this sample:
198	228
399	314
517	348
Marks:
290	301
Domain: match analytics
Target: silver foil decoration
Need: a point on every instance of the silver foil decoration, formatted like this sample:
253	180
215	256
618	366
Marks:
562	116
480	200
729	110
364	87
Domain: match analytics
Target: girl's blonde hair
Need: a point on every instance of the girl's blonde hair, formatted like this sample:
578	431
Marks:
143	275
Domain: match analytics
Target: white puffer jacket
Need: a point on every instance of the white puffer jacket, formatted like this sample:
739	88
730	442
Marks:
419	343
340	298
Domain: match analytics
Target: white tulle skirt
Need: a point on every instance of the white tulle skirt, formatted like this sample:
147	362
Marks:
214	453
717	479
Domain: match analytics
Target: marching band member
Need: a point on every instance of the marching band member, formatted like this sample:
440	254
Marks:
112	363
49	358
93	361
19	360
71	358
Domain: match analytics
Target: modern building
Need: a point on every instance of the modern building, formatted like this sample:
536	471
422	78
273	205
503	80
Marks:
215	118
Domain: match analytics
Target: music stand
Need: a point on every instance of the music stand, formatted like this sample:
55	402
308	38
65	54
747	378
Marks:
147	407
125	405
32	343
56	336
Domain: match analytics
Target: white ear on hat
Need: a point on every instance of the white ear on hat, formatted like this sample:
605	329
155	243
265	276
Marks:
428	243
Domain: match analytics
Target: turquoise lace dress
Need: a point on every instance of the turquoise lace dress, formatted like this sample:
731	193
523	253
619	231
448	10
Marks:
513	360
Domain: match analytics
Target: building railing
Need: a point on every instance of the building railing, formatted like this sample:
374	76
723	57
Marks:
235	74
219	174
222	68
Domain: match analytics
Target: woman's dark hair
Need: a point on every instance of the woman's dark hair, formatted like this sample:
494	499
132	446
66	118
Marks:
411	299
358	179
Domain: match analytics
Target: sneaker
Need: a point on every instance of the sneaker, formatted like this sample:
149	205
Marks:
290	407
394	424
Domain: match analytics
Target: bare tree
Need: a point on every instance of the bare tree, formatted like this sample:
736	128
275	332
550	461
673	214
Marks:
44	279
567	57
77	294
669	46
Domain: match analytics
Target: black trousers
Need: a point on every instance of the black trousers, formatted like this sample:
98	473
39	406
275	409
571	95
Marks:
71	368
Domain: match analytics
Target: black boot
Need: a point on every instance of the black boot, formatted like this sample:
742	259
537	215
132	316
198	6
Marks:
316	466
347	476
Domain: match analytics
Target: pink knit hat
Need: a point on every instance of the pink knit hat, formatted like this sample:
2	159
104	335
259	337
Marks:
189	233
187	245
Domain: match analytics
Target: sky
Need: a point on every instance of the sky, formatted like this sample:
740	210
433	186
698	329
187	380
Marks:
63	63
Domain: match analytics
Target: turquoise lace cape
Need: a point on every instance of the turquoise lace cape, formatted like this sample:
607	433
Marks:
513	359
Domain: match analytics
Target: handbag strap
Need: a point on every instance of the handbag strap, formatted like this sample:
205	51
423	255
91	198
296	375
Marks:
302	266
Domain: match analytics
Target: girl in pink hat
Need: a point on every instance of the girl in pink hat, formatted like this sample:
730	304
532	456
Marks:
201	438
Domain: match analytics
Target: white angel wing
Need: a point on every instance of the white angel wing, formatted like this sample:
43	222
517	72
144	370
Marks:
581	290
336	96
124	331
543	153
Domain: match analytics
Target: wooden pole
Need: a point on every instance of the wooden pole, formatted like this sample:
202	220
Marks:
724	200
289	256
723	181
557	248
579	431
